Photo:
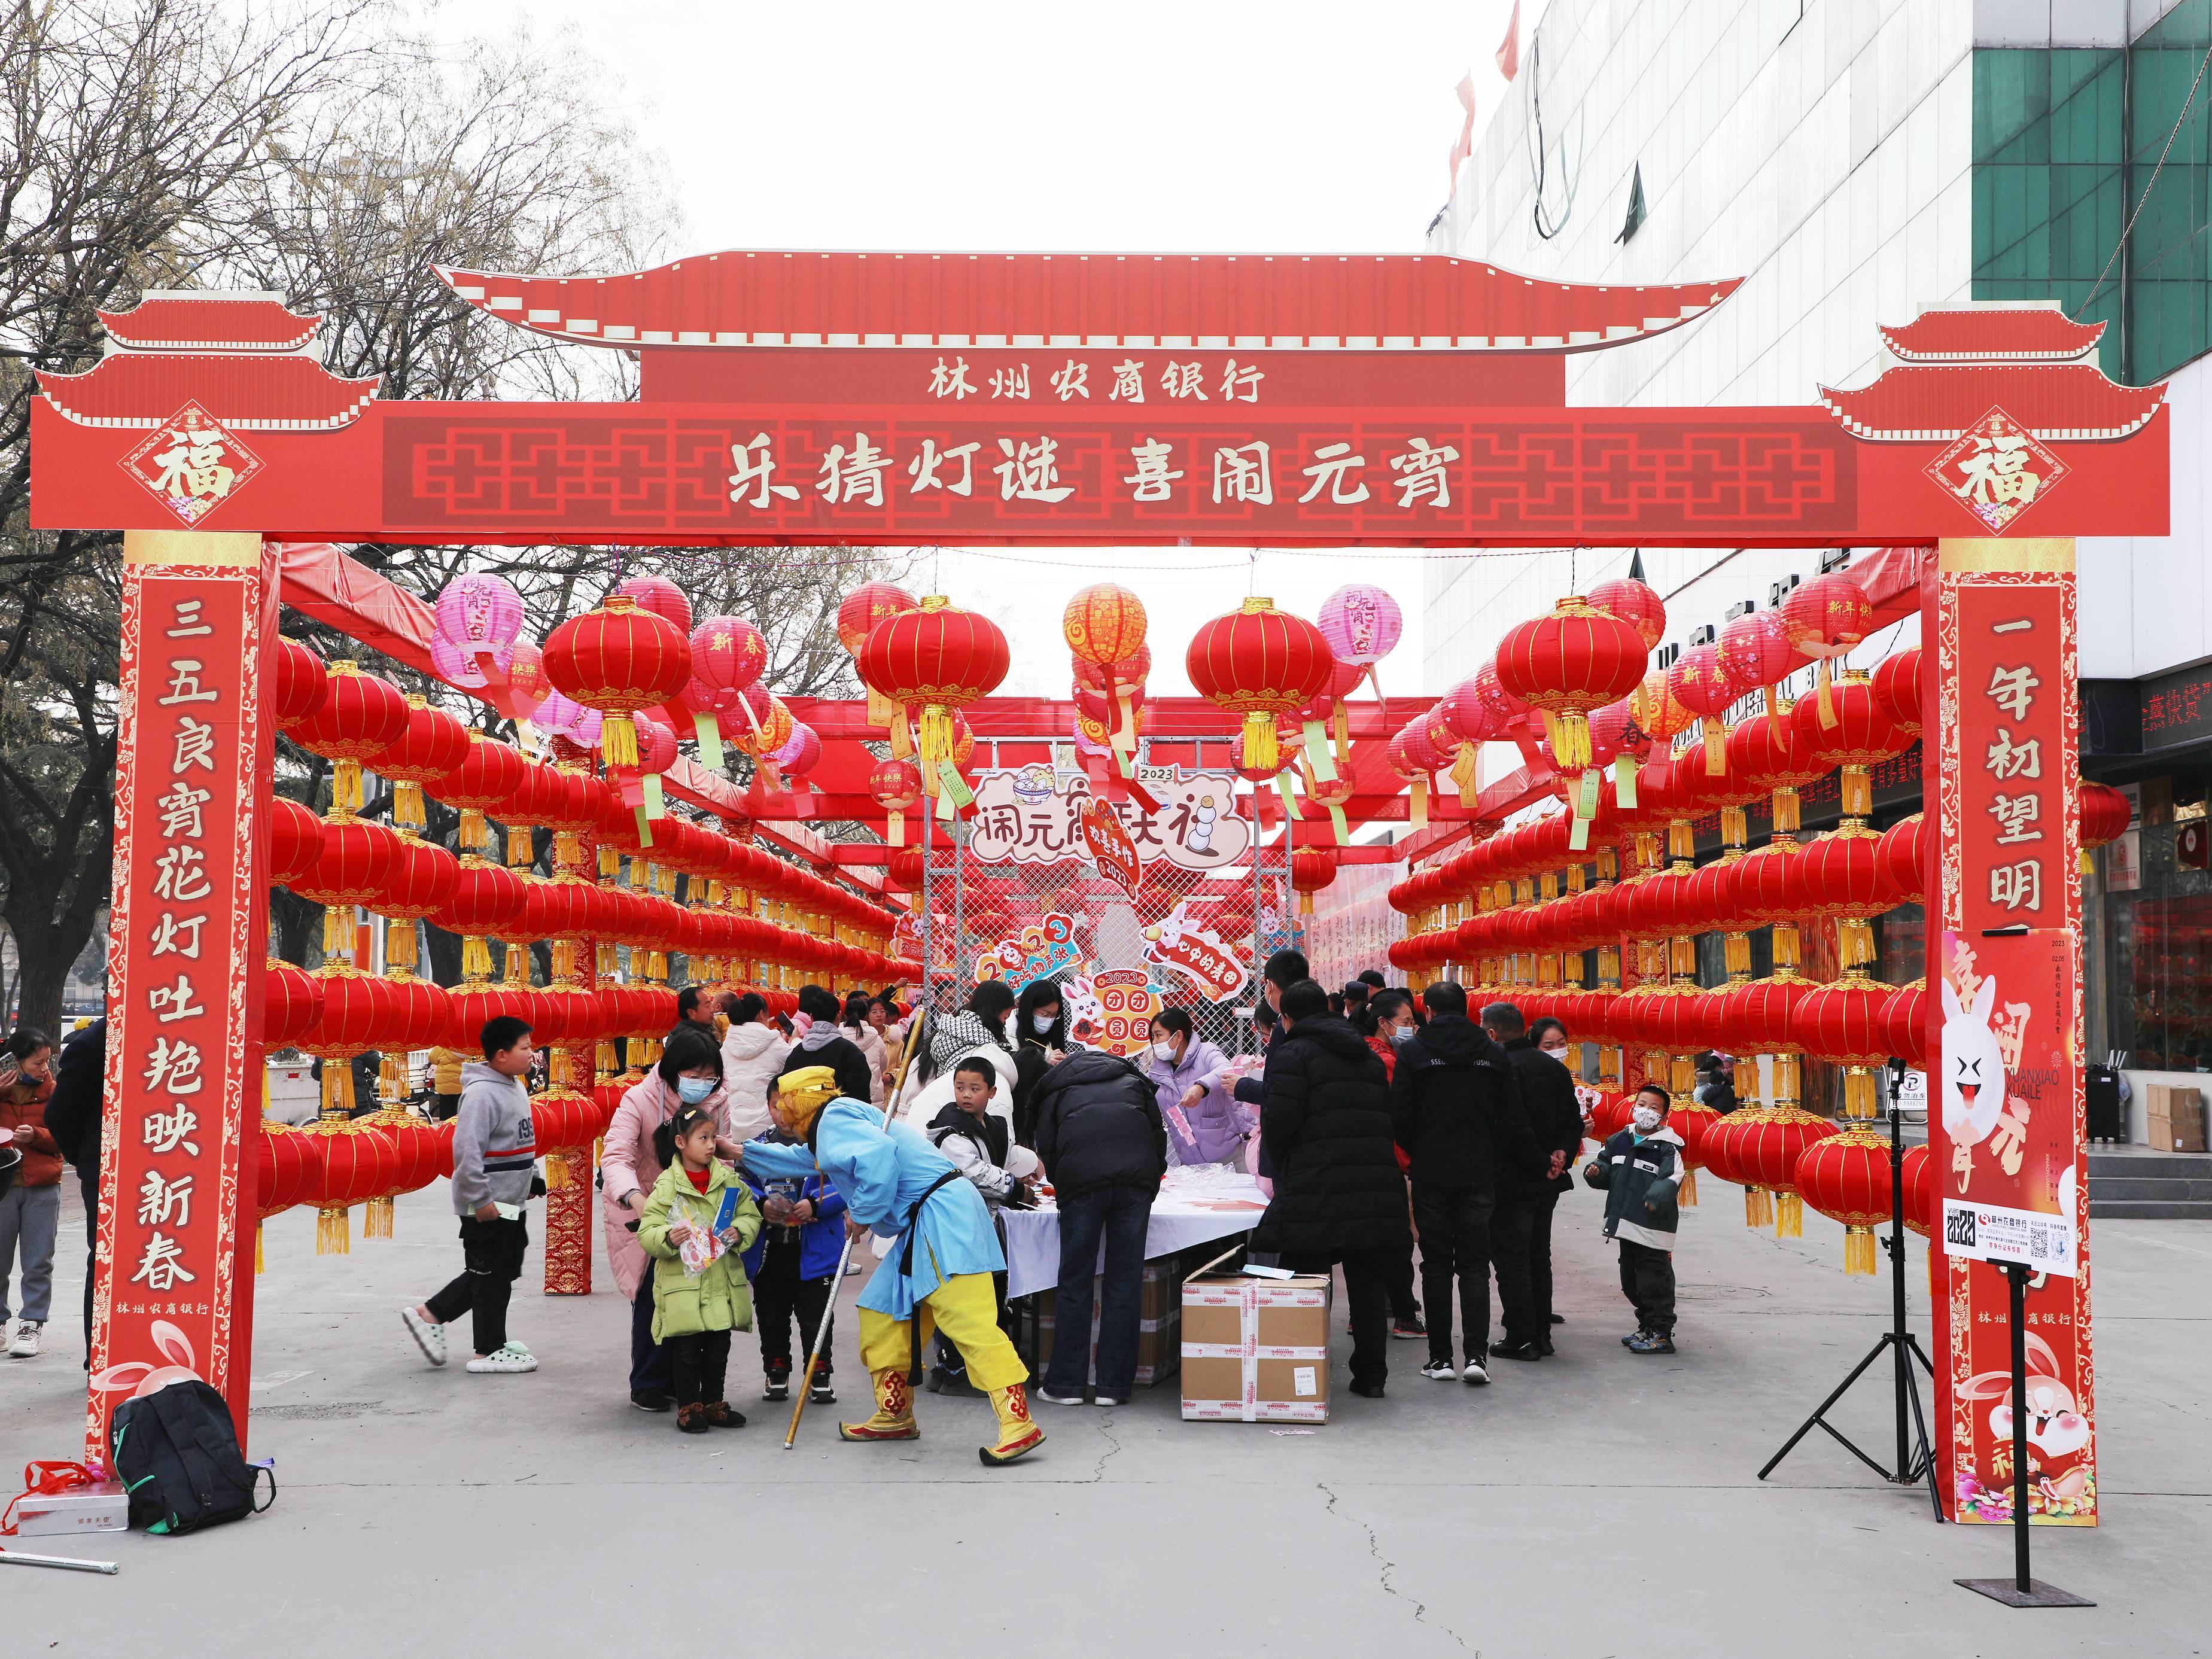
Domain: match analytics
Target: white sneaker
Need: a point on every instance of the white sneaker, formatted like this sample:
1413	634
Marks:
1474	1372
1108	1400
852	1268
511	1360
1441	1370
1060	1399
429	1336
26	1345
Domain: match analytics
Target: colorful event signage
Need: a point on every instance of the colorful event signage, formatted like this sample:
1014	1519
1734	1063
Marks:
2006	1034
1113	1010
1031	815
1043	949
184	951
1110	846
1217	970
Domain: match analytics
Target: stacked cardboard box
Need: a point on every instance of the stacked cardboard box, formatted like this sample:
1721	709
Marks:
2176	1113
1256	1350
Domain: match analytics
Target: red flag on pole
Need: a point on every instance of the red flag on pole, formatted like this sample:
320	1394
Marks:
1465	147
1509	49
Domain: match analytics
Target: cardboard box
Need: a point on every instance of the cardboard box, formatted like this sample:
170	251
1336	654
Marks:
1159	1327
1254	1350
101	1507
2179	1132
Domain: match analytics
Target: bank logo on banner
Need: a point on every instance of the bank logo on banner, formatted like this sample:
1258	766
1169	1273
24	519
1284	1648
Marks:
191	465
1996	470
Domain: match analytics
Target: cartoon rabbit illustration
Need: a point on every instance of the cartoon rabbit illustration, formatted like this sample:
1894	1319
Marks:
1085	1018
1973	1067
2055	1427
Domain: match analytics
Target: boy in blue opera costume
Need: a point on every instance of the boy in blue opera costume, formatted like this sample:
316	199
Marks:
938	1274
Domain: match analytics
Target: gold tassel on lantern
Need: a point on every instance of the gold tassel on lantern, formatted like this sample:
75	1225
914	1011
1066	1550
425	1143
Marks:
1758	1207
338	934
1788	1215
476	958
1856	786
345	789
407	805
557	1171
1570	739
259	1263
1261	753
618	741
376	1219
1687	1198
1859	1255
521	848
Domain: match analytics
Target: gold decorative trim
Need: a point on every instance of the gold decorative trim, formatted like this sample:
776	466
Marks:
2053	554
229	548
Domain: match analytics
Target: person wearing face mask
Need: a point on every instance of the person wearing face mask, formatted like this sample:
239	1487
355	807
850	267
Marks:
1640	1172
1521	1229
1040	1044
1188	1074
1388	1019
689	1074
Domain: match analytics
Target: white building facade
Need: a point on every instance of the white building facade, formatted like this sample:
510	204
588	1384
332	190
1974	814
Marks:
1854	160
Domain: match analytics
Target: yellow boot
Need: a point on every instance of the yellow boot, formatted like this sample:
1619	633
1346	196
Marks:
1018	1435
893	1418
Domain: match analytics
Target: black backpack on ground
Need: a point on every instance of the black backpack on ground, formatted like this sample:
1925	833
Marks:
176	1453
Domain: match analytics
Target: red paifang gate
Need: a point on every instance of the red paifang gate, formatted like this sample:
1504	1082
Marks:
888	398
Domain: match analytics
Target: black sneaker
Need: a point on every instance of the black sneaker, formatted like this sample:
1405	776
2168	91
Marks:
1408	1327
1558	1319
651	1399
775	1383
1545	1343
1441	1370
1368	1390
1516	1350
822	1394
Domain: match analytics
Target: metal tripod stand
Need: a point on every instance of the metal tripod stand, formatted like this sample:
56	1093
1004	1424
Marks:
1914	1462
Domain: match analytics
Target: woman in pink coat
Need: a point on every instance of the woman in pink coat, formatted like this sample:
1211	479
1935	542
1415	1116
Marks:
689	1074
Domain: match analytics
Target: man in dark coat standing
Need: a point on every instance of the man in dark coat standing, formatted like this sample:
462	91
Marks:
1339	1196
74	1114
1455	1108
1521	1231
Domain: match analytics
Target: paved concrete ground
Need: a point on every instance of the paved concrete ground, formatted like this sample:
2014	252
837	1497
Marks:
1593	1505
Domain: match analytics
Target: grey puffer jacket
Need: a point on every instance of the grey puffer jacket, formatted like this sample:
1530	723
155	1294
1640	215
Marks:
495	1151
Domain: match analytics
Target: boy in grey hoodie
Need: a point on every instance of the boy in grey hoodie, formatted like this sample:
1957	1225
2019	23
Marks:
494	1163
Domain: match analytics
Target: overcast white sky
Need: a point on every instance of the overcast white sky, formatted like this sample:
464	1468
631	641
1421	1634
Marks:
1148	126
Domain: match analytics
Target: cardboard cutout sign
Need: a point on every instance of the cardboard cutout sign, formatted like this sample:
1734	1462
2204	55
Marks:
1110	848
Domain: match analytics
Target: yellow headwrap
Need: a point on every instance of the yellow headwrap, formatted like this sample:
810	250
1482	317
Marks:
805	1092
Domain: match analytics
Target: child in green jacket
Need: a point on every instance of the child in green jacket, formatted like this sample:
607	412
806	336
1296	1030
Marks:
693	1313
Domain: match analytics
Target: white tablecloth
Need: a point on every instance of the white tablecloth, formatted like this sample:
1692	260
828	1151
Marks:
1195	1205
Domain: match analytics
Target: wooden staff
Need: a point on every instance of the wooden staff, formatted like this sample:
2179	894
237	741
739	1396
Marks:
829	1307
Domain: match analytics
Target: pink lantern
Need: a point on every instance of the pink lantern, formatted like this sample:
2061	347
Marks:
661	596
802	754
564	717
1360	623
480	616
452	664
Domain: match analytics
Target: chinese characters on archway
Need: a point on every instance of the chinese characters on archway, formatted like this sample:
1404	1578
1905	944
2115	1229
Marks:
177	1012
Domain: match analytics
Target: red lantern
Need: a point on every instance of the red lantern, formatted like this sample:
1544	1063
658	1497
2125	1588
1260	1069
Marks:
935	659
1920	1189
1631	601
1897	689
355	868
1757	1148
1843	1022
1766	752
860	612
1827	616
485	780
1841	876
565	1123
295	841
417	1150
1903	861
1846	1177
291	1005
431	744
1310	873
1576	660
359	1161
1699	683
661	596
1260	663
1844	727
359	714
1103	623
422	881
2105	815
286	1166
1905	1024
301	684
618	660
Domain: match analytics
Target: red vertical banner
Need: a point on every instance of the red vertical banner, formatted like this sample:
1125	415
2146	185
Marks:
2006	1135
187	930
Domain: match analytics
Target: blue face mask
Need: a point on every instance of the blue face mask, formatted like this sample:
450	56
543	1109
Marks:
693	1090
1042	1024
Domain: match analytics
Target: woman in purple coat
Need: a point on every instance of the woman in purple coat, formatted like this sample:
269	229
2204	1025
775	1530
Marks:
1191	1078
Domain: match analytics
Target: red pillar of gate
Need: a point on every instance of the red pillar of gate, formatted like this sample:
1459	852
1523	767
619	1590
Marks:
2004	968
173	1290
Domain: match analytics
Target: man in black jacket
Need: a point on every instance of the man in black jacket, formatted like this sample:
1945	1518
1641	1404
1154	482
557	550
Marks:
1455	1108
821	1045
73	1112
1104	1147
1339	1197
1521	1231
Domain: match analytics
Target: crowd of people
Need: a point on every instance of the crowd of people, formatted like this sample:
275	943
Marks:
1416	1144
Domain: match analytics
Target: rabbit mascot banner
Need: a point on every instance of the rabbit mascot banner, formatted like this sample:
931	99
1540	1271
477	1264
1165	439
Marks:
2005	1144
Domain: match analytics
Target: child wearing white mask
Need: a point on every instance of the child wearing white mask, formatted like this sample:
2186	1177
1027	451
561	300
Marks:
1640	1171
1190	1078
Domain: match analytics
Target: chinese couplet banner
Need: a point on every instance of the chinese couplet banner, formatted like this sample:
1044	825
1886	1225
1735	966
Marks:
186	935
2005	1143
